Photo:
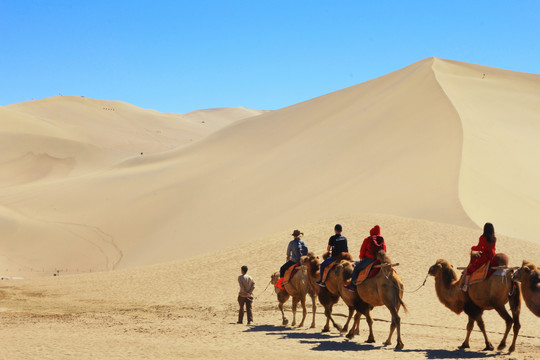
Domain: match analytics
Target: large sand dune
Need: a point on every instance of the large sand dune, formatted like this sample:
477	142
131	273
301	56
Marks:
438	140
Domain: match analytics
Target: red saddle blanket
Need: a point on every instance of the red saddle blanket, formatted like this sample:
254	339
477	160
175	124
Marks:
484	272
368	272
289	273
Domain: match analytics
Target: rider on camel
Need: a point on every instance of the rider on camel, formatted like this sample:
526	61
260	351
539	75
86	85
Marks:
296	249
337	244
368	254
481	253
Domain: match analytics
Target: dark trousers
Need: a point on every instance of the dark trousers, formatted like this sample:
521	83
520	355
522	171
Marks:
361	265
284	268
247	302
325	263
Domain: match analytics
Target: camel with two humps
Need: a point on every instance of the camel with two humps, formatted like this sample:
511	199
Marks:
298	288
491	293
326	298
384	289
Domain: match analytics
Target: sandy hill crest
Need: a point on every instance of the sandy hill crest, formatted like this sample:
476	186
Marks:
421	142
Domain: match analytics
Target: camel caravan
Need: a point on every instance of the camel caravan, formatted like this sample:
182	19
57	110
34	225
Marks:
487	283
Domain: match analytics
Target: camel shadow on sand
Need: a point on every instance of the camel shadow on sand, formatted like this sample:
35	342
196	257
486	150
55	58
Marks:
319	341
453	354
336	342
286	332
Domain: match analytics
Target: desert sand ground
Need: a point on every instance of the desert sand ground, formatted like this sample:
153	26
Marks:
147	217
188	309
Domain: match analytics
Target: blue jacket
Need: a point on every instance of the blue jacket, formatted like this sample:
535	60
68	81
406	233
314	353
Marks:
296	249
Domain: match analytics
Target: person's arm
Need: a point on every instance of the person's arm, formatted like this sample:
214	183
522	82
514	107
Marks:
364	248
476	251
252	288
330	244
289	251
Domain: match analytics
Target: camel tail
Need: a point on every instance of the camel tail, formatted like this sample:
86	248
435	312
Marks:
399	286
403	304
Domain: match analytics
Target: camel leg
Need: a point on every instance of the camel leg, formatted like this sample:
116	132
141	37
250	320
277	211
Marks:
304	311
482	327
356	325
396	324
515	307
508	320
294	306
314	309
393	306
369	320
285	321
328	313
346	326
470	326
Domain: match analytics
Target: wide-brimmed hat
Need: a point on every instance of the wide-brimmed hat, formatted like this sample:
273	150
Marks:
297	233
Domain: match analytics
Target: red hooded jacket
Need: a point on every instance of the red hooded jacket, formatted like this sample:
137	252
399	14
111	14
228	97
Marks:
372	244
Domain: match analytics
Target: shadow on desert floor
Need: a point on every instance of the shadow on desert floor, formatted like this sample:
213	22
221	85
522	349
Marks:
336	342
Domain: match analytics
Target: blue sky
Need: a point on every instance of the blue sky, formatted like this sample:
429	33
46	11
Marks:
178	56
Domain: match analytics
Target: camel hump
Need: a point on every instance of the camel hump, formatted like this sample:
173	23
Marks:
500	259
344	256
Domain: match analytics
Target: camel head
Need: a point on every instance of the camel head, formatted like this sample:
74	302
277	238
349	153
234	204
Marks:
444	269
274	278
344	269
311	262
383	258
527	269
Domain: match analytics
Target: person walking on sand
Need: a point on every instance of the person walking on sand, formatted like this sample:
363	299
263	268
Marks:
296	249
368	254
245	296
481	253
337	244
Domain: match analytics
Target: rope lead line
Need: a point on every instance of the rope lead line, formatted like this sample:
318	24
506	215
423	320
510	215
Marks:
263	291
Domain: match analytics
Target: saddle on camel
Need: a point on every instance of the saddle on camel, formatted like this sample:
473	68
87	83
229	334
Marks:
295	250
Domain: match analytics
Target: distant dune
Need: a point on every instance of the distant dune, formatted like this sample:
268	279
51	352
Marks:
439	140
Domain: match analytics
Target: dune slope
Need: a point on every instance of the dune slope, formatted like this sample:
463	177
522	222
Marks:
400	144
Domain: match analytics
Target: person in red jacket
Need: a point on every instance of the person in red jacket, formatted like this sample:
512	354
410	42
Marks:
481	253
368	253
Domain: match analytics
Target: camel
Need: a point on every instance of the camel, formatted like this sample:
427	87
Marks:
297	287
385	289
326	298
337	280
489	294
529	276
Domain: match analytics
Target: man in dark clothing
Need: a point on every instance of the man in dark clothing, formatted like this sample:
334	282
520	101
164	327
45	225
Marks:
337	244
296	249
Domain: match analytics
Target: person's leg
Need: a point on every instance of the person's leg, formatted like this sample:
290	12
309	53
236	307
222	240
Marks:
241	301
364	263
472	267
284	268
248	310
324	264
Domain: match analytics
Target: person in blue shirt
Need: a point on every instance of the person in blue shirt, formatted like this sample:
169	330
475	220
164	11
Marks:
296	249
337	244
